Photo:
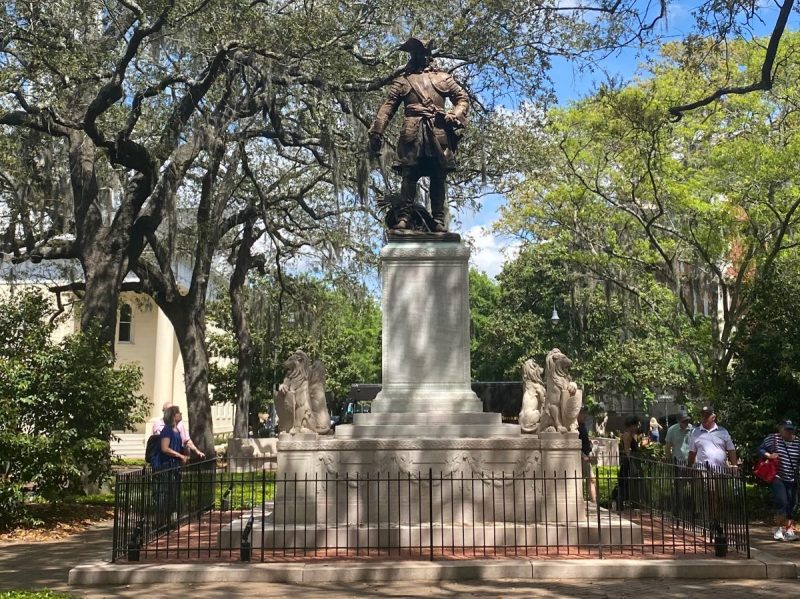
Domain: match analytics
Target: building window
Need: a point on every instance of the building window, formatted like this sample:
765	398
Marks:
125	324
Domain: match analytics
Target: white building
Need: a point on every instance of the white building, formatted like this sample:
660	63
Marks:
144	337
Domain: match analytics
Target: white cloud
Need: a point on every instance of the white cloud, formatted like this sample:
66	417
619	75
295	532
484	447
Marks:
489	251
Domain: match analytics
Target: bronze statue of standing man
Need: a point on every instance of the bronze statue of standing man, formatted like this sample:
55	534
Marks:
429	136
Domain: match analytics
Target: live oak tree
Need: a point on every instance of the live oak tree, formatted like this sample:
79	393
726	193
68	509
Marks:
148	103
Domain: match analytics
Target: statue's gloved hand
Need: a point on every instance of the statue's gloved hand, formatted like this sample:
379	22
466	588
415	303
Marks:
453	121
375	142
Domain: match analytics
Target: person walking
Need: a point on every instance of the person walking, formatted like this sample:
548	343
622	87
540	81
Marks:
655	430
630	470
784	447
186	440
676	452
677	439
165	464
586	454
711	444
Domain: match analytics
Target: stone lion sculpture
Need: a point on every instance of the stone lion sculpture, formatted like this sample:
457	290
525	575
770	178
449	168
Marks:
320	417
533	397
563	399
300	400
600	425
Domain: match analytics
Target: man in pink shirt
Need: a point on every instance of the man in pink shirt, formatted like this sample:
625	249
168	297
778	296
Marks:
158	425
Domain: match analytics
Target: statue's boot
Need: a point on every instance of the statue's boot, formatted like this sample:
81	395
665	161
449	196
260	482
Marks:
438	223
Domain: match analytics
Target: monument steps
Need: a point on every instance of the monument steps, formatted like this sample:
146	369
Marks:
426	431
459	535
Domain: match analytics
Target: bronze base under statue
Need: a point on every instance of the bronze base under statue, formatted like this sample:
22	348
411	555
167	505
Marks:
410	236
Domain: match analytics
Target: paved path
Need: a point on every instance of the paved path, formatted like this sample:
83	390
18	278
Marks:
46	564
32	565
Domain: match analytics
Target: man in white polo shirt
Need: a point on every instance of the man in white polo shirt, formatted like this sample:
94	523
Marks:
710	444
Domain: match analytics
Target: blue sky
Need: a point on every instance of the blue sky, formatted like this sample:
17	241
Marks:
490	251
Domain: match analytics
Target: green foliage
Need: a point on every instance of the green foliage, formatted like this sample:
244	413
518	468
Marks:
339	324
59	402
616	349
96	499
765	381
243	491
679	224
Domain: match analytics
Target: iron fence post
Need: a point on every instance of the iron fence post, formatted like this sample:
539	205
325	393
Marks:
430	510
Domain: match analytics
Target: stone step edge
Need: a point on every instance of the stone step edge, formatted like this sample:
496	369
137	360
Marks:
387	431
104	573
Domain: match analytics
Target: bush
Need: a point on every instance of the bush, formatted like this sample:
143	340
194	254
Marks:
59	403
12	507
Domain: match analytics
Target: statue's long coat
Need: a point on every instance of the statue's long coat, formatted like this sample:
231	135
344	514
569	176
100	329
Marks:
414	144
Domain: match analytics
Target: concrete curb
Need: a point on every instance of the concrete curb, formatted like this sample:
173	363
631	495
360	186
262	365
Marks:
762	566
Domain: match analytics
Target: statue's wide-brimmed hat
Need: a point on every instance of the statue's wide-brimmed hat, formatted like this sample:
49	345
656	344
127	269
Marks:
416	46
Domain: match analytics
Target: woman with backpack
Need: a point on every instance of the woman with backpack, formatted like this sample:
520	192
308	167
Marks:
784	447
165	464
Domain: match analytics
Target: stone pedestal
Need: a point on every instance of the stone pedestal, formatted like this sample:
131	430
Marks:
427	455
366	481
246	455
426	391
426	366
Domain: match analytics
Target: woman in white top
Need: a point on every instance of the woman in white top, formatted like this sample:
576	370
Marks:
655	429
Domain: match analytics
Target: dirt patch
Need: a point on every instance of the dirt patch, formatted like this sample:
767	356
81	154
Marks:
57	521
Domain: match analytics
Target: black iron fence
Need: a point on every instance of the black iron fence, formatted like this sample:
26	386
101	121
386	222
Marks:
215	511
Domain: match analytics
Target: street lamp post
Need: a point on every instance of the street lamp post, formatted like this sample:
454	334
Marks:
666	398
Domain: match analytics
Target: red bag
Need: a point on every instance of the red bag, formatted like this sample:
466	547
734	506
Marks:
766	470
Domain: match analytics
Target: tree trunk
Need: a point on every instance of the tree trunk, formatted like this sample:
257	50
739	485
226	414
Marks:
190	331
244	367
243	340
103	275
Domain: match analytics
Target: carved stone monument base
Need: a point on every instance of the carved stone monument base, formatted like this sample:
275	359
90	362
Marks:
427	455
525	479
246	455
468	535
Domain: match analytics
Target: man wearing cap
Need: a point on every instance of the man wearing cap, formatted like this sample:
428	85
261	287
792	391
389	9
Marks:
586	454
677	439
783	446
710	444
429	135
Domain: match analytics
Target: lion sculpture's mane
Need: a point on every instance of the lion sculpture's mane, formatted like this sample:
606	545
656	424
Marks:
533	397
300	401
563	399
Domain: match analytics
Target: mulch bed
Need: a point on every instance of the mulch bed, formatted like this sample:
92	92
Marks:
56	521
